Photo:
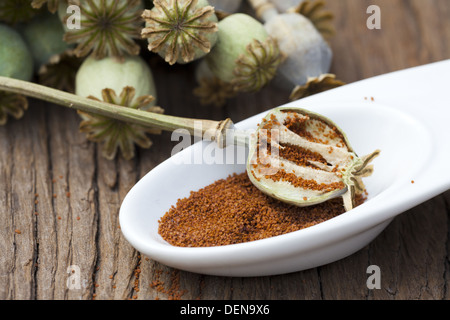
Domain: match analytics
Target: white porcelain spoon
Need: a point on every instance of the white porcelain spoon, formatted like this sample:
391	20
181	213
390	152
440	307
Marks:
405	114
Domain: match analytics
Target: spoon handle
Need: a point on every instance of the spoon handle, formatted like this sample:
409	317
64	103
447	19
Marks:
219	131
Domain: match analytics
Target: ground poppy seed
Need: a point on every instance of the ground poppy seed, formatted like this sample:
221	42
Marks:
233	210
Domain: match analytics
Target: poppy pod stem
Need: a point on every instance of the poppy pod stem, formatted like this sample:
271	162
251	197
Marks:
214	130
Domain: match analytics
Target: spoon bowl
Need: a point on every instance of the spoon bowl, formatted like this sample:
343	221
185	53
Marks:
413	148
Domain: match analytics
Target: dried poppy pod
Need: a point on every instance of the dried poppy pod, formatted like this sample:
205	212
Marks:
321	19
180	31
107	28
303	158
307	54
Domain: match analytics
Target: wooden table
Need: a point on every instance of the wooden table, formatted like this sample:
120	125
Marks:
59	199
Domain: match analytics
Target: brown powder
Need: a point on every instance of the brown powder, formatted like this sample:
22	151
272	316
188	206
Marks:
304	183
233	210
298	125
172	290
298	155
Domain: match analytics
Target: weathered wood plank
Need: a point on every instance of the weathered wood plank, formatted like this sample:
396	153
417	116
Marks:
6	219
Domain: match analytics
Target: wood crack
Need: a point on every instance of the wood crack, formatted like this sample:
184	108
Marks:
50	172
95	186
11	206
319	278
35	233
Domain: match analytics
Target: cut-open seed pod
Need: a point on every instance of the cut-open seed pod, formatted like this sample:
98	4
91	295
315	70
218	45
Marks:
303	158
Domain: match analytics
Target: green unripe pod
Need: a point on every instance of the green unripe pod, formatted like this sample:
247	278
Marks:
127	82
95	75
44	35
244	54
16	60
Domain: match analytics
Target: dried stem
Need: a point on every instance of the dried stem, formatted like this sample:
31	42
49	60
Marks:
213	130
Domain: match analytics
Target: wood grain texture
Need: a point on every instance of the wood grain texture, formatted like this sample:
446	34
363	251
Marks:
59	199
